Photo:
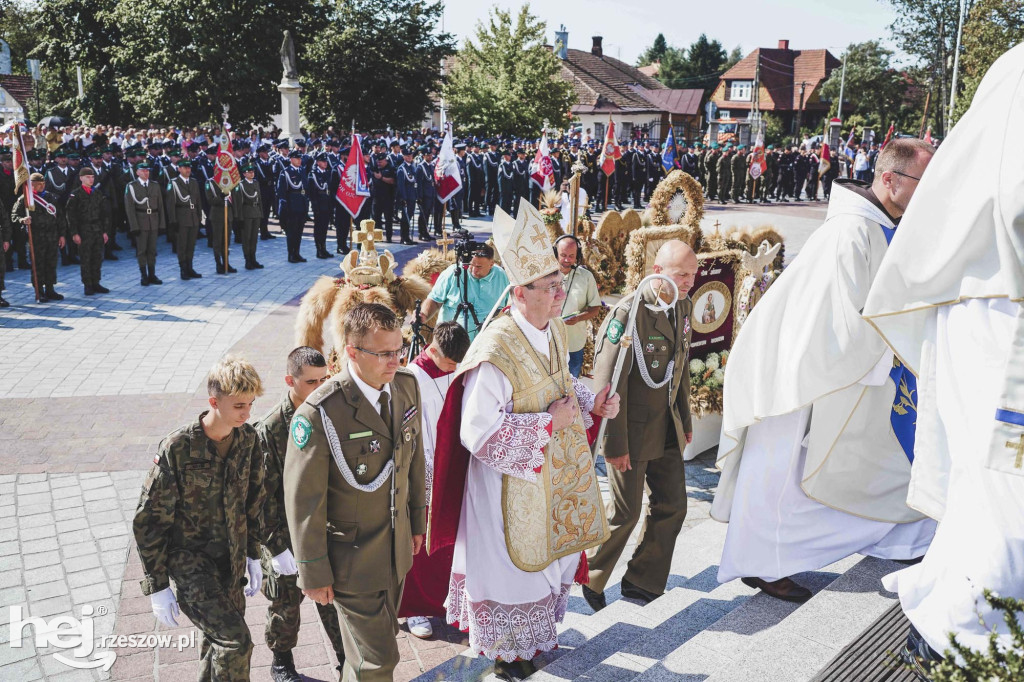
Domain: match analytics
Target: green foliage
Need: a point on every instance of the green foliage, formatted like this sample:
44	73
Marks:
16	18
377	62
876	93
698	66
996	664
654	53
994	26
506	81
774	131
734	57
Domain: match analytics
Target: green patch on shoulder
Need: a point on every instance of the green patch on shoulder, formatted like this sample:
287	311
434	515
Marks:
615	329
301	431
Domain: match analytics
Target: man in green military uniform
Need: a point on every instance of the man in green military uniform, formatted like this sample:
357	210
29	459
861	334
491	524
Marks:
307	370
645	442
183	200
144	204
354	490
249	210
5	245
725	174
739	173
47	229
88	221
218	205
198	522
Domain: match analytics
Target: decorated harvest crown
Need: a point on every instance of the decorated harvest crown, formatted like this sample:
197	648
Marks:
367	268
523	244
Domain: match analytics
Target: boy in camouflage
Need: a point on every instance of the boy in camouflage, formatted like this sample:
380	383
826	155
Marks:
307	370
199	522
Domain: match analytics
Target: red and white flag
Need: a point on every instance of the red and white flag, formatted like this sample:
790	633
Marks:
826	159
610	153
447	178
21	170
226	174
888	135
354	187
542	173
928	136
758	164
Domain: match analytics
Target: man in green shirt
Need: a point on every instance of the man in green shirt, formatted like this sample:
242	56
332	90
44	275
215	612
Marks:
486	282
582	300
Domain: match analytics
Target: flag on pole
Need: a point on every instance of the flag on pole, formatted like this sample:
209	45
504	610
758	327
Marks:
354	187
888	135
849	144
826	160
446	174
758	164
928	136
226	175
21	171
668	154
610	153
542	173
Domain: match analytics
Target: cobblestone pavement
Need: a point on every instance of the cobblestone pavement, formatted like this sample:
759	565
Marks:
99	381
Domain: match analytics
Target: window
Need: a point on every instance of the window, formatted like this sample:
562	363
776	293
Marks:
740	91
599	132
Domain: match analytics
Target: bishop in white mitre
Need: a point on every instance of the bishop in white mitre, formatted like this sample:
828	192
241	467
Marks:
816	443
947	299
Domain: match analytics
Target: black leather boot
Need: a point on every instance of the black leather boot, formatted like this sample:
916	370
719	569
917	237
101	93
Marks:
153	279
282	668
144	281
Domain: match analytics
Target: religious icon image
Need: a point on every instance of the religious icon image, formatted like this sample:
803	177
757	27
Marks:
708	316
712	306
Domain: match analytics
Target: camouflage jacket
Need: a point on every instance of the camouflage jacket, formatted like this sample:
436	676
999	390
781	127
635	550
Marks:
200	510
87	212
273	433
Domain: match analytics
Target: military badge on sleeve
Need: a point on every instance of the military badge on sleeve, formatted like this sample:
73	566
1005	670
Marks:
615	329
301	431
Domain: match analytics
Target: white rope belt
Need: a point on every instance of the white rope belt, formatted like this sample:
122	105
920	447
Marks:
339	459
638	352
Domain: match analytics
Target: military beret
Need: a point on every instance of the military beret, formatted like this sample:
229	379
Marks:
184	163
714	145
295	154
742	146
86	170
37	177
771	146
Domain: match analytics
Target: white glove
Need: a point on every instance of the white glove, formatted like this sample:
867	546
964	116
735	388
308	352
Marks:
284	563
255	571
165	607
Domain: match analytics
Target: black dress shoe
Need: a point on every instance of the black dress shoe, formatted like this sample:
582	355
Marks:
783	588
89	291
324	254
631	591
184	276
282	668
74	260
231	269
116	247
267	236
24	266
256	265
299	259
110	256
594	599
514	671
193	274
407	242
4	303
249	266
343	250
100	289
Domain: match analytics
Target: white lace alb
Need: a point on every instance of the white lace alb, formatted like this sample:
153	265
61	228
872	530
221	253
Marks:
517	447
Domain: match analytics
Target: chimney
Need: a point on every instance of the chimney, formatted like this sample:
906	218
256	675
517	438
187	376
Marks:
562	42
596	48
783	44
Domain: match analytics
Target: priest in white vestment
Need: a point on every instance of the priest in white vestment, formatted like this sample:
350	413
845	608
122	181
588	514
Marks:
426	583
947	299
816	443
515	488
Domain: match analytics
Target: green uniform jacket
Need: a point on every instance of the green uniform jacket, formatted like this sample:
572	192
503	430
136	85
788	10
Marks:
342	536
216	199
273	433
88	212
646	414
42	221
184	203
246	197
198	509
144	206
724	167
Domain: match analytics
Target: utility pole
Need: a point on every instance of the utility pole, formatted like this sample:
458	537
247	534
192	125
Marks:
842	86
956	67
800	111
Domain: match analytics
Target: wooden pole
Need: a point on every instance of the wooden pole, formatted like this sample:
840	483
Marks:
32	255
226	242
606	181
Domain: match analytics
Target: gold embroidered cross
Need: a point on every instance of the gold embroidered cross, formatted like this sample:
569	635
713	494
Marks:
539	236
1017	445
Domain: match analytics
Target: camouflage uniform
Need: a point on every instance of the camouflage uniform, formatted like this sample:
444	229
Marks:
724	177
46	233
198	519
89	217
711	164
5	236
739	174
283	613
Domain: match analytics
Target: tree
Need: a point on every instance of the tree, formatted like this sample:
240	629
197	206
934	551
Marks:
994	26
699	66
16	19
874	90
377	62
654	53
507	81
734	57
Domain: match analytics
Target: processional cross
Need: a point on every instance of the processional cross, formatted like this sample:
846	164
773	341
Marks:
1018	446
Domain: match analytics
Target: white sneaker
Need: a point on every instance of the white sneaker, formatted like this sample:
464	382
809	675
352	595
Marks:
419	626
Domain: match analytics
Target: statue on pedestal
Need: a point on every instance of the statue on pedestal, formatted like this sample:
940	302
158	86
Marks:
288	59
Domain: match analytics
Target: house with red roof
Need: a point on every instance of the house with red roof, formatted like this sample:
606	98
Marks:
15	95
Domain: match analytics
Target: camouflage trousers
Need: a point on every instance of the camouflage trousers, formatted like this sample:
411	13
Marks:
283	619
47	253
217	608
91	253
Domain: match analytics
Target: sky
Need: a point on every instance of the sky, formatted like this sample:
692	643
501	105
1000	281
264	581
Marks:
629	26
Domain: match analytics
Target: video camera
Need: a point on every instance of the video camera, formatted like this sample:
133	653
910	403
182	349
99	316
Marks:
465	246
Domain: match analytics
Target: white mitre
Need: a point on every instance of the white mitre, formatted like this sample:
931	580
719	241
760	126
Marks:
524	245
962	235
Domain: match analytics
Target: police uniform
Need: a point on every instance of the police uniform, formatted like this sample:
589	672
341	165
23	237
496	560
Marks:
430	205
354	491
283	620
183	202
144	204
89	219
198	520
322	202
405	199
651	427
248	207
382	194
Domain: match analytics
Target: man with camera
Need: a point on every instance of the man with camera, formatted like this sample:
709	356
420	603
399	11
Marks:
467	290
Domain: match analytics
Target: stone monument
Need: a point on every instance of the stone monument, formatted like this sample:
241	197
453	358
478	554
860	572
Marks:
290	89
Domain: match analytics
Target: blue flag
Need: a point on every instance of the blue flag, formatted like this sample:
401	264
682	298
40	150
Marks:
668	154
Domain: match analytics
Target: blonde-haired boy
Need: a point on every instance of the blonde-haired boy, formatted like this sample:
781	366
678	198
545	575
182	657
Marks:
198	523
